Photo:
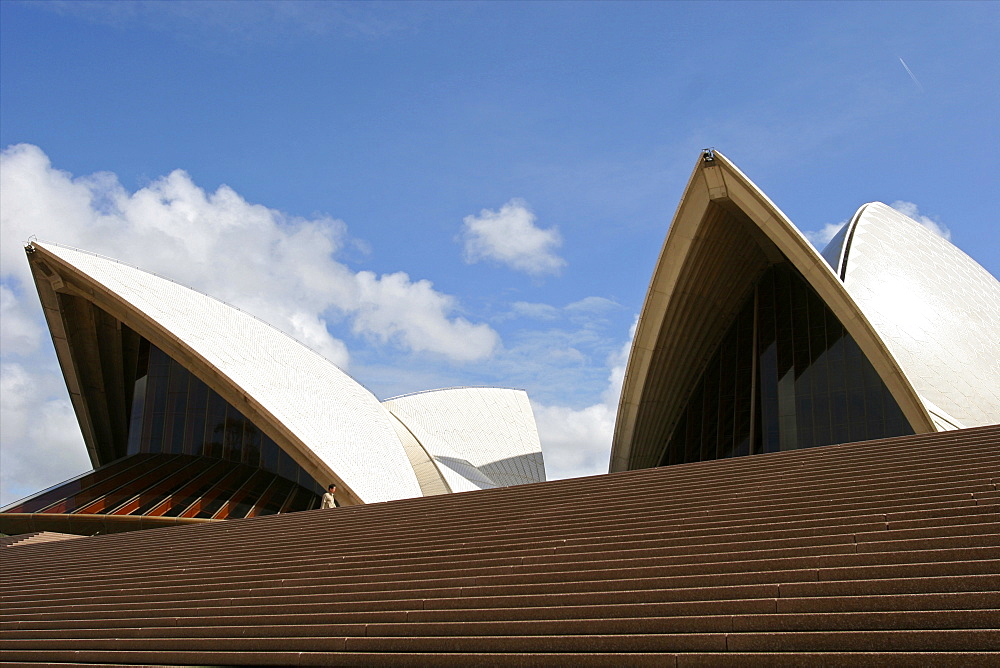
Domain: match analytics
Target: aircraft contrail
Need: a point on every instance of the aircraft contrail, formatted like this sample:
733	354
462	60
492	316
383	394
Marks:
908	71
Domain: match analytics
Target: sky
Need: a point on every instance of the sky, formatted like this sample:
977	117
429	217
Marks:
458	194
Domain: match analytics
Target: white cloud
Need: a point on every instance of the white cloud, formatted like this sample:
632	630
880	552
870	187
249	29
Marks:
592	305
584	309
393	307
820	238
279	267
533	310
20	328
577	442
510	236
910	209
41	439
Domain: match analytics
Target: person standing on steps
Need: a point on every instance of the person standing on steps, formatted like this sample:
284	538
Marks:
328	499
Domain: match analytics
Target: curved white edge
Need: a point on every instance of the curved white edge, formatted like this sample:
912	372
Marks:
721	180
491	428
936	309
431	481
650	320
332	423
456	472
835	251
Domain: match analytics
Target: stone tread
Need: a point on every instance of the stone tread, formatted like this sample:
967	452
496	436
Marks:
881	553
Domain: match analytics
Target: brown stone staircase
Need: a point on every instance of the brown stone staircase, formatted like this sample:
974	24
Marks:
877	553
35	537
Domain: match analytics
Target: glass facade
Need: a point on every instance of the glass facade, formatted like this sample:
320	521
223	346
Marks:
190	454
786	375
173	412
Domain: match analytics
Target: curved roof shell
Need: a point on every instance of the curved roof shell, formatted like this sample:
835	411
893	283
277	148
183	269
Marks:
935	308
478	437
332	426
725	234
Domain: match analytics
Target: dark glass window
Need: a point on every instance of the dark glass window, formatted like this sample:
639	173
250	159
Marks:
813	384
135	421
174	412
197	406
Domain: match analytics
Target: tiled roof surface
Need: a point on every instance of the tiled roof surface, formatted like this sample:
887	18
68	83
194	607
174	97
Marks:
936	309
338	419
491	429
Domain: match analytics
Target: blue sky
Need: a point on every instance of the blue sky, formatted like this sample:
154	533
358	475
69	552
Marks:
477	192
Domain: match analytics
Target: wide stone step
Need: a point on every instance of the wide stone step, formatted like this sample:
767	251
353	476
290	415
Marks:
830	567
306	614
646	624
976	640
536	659
783	489
874	531
540	533
809	582
975	538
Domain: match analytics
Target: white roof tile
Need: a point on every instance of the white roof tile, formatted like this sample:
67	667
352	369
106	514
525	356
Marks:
337	418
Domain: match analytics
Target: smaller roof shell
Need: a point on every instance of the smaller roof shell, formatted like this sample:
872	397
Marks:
935	308
479	437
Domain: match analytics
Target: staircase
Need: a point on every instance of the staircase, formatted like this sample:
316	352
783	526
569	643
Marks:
35	537
867	554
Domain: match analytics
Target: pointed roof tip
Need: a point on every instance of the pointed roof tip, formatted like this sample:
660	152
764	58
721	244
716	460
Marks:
715	181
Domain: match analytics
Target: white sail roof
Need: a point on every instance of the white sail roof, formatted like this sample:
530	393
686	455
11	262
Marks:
935	308
478	436
305	397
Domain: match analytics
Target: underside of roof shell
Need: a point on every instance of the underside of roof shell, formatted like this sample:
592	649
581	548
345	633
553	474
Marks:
936	309
478	437
724	235
331	425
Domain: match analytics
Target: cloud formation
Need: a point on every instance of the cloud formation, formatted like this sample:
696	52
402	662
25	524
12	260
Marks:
583	309
577	442
42	444
510	236
281	268
910	209
278	267
820	238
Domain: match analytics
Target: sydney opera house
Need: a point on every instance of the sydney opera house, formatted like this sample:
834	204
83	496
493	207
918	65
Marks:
192	411
880	548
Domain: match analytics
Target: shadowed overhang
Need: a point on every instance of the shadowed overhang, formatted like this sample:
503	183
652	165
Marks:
724	235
